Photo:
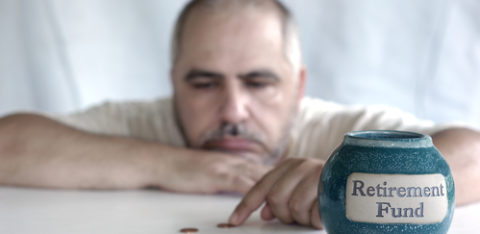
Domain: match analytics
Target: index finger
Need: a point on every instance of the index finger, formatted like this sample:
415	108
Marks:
257	195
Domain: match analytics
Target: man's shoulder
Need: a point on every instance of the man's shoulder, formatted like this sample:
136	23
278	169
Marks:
309	103
320	107
133	117
132	107
153	103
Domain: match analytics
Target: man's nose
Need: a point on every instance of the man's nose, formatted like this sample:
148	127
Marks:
234	107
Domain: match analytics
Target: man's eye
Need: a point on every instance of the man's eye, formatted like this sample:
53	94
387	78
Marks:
204	85
257	85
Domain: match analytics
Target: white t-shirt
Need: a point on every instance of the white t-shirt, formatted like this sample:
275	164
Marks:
318	129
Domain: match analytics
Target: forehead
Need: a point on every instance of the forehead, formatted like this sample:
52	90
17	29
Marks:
244	37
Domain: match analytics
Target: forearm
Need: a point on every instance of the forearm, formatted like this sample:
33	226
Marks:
36	151
461	149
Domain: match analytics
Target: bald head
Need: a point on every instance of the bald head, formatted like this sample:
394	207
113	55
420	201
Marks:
240	8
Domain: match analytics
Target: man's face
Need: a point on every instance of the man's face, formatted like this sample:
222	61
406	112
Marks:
234	89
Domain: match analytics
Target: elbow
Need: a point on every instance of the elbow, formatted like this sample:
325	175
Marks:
16	120
461	149
12	129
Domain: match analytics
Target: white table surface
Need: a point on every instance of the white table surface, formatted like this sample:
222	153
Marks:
63	211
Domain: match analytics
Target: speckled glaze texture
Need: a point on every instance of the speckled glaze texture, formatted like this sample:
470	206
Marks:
380	152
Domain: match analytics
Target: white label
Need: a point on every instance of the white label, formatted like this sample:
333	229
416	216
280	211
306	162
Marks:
396	198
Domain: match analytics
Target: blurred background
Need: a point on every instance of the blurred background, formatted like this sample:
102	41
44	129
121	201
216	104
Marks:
420	56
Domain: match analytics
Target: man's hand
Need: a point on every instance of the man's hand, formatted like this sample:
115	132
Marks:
290	193
195	171
461	149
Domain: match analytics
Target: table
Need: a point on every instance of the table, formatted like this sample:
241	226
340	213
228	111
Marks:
24	211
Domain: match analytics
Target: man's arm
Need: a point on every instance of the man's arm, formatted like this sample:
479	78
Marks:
38	152
461	148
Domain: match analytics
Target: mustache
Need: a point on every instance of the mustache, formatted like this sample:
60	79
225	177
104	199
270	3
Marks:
233	130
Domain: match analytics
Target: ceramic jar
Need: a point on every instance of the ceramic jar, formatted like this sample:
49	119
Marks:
386	182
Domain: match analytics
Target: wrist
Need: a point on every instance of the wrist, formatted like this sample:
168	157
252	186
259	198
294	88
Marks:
156	165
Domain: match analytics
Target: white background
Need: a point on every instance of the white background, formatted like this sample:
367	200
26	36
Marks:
421	56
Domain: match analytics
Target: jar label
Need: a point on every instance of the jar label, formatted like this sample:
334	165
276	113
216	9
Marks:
396	198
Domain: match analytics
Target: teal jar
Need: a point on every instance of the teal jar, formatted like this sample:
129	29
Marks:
386	182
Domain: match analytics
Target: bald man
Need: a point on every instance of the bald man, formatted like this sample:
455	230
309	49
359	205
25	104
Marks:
238	122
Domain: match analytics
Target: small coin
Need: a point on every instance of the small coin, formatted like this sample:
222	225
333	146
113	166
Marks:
189	230
225	225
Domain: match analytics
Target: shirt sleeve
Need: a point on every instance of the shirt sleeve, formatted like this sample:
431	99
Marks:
321	125
153	121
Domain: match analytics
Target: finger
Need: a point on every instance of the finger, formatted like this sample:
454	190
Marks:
315	216
257	171
244	176
257	195
283	205
228	179
304	196
253	170
239	184
266	213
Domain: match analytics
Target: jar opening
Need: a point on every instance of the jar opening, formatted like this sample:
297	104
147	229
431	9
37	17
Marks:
388	138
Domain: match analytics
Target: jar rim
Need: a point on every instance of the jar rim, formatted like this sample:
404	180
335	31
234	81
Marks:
388	138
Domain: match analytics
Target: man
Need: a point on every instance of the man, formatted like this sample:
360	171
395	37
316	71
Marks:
238	122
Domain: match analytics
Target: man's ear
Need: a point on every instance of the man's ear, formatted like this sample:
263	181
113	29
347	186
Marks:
302	80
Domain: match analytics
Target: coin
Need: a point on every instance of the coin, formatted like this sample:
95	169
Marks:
225	225
189	230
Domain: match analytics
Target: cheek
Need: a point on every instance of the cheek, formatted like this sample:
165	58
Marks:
197	115
273	113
